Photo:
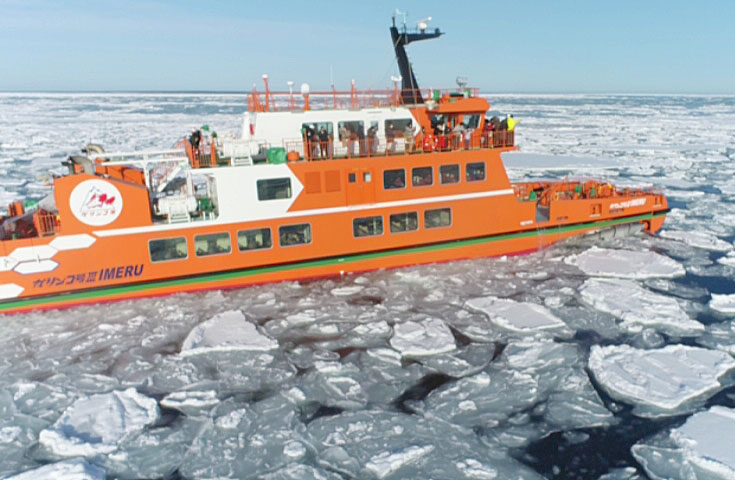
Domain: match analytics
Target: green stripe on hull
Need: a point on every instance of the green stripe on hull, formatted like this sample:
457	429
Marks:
49	301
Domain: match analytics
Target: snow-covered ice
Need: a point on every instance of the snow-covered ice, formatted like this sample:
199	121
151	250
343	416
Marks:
697	239
72	469
96	424
516	316
191	402
701	448
226	331
723	303
425	337
637	307
605	262
662	381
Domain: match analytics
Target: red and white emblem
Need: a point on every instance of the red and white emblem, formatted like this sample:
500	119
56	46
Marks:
96	202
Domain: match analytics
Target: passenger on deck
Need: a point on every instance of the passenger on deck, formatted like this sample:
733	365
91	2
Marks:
512	122
372	139
487	133
427	141
390	138
361	139
324	142
408	136
457	135
195	139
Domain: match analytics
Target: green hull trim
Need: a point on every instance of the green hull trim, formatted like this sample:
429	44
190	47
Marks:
87	296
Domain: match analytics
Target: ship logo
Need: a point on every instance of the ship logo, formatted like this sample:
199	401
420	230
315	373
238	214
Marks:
96	202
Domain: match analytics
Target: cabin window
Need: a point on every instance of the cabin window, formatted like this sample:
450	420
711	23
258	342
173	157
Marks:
471	121
394	179
367	177
212	244
475	171
274	188
254	239
441	217
352	177
294	234
404	222
449	174
168	249
351	130
397	127
367	226
422	176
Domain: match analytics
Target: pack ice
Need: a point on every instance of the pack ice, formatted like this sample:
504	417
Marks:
702	448
723	303
637	307
659	382
226	331
73	469
96	424
516	316
703	240
604	262
425	337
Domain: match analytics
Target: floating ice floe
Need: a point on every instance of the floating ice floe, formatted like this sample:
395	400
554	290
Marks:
226	331
191	402
527	374
384	444
603	262
516	316
637	307
728	260
73	469
96	424
723	303
698	239
659	382
701	448
347	291
427	337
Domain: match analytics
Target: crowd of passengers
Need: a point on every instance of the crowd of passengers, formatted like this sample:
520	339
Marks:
355	141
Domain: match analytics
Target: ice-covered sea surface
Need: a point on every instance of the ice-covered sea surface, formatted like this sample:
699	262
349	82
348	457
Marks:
591	359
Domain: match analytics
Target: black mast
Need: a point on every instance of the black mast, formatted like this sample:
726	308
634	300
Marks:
410	92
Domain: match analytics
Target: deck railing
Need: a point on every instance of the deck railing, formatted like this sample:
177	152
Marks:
334	99
376	146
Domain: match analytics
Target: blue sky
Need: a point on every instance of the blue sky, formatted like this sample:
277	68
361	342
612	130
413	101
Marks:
588	46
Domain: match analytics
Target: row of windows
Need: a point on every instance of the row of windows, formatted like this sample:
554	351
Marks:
424	176
280	188
401	222
219	243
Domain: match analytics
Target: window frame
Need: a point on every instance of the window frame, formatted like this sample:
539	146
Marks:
467	172
451	219
390	222
150	254
311	236
229	238
431	171
371	217
459	174
402	170
260	180
270	235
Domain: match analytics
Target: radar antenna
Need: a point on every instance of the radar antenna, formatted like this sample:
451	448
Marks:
410	92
